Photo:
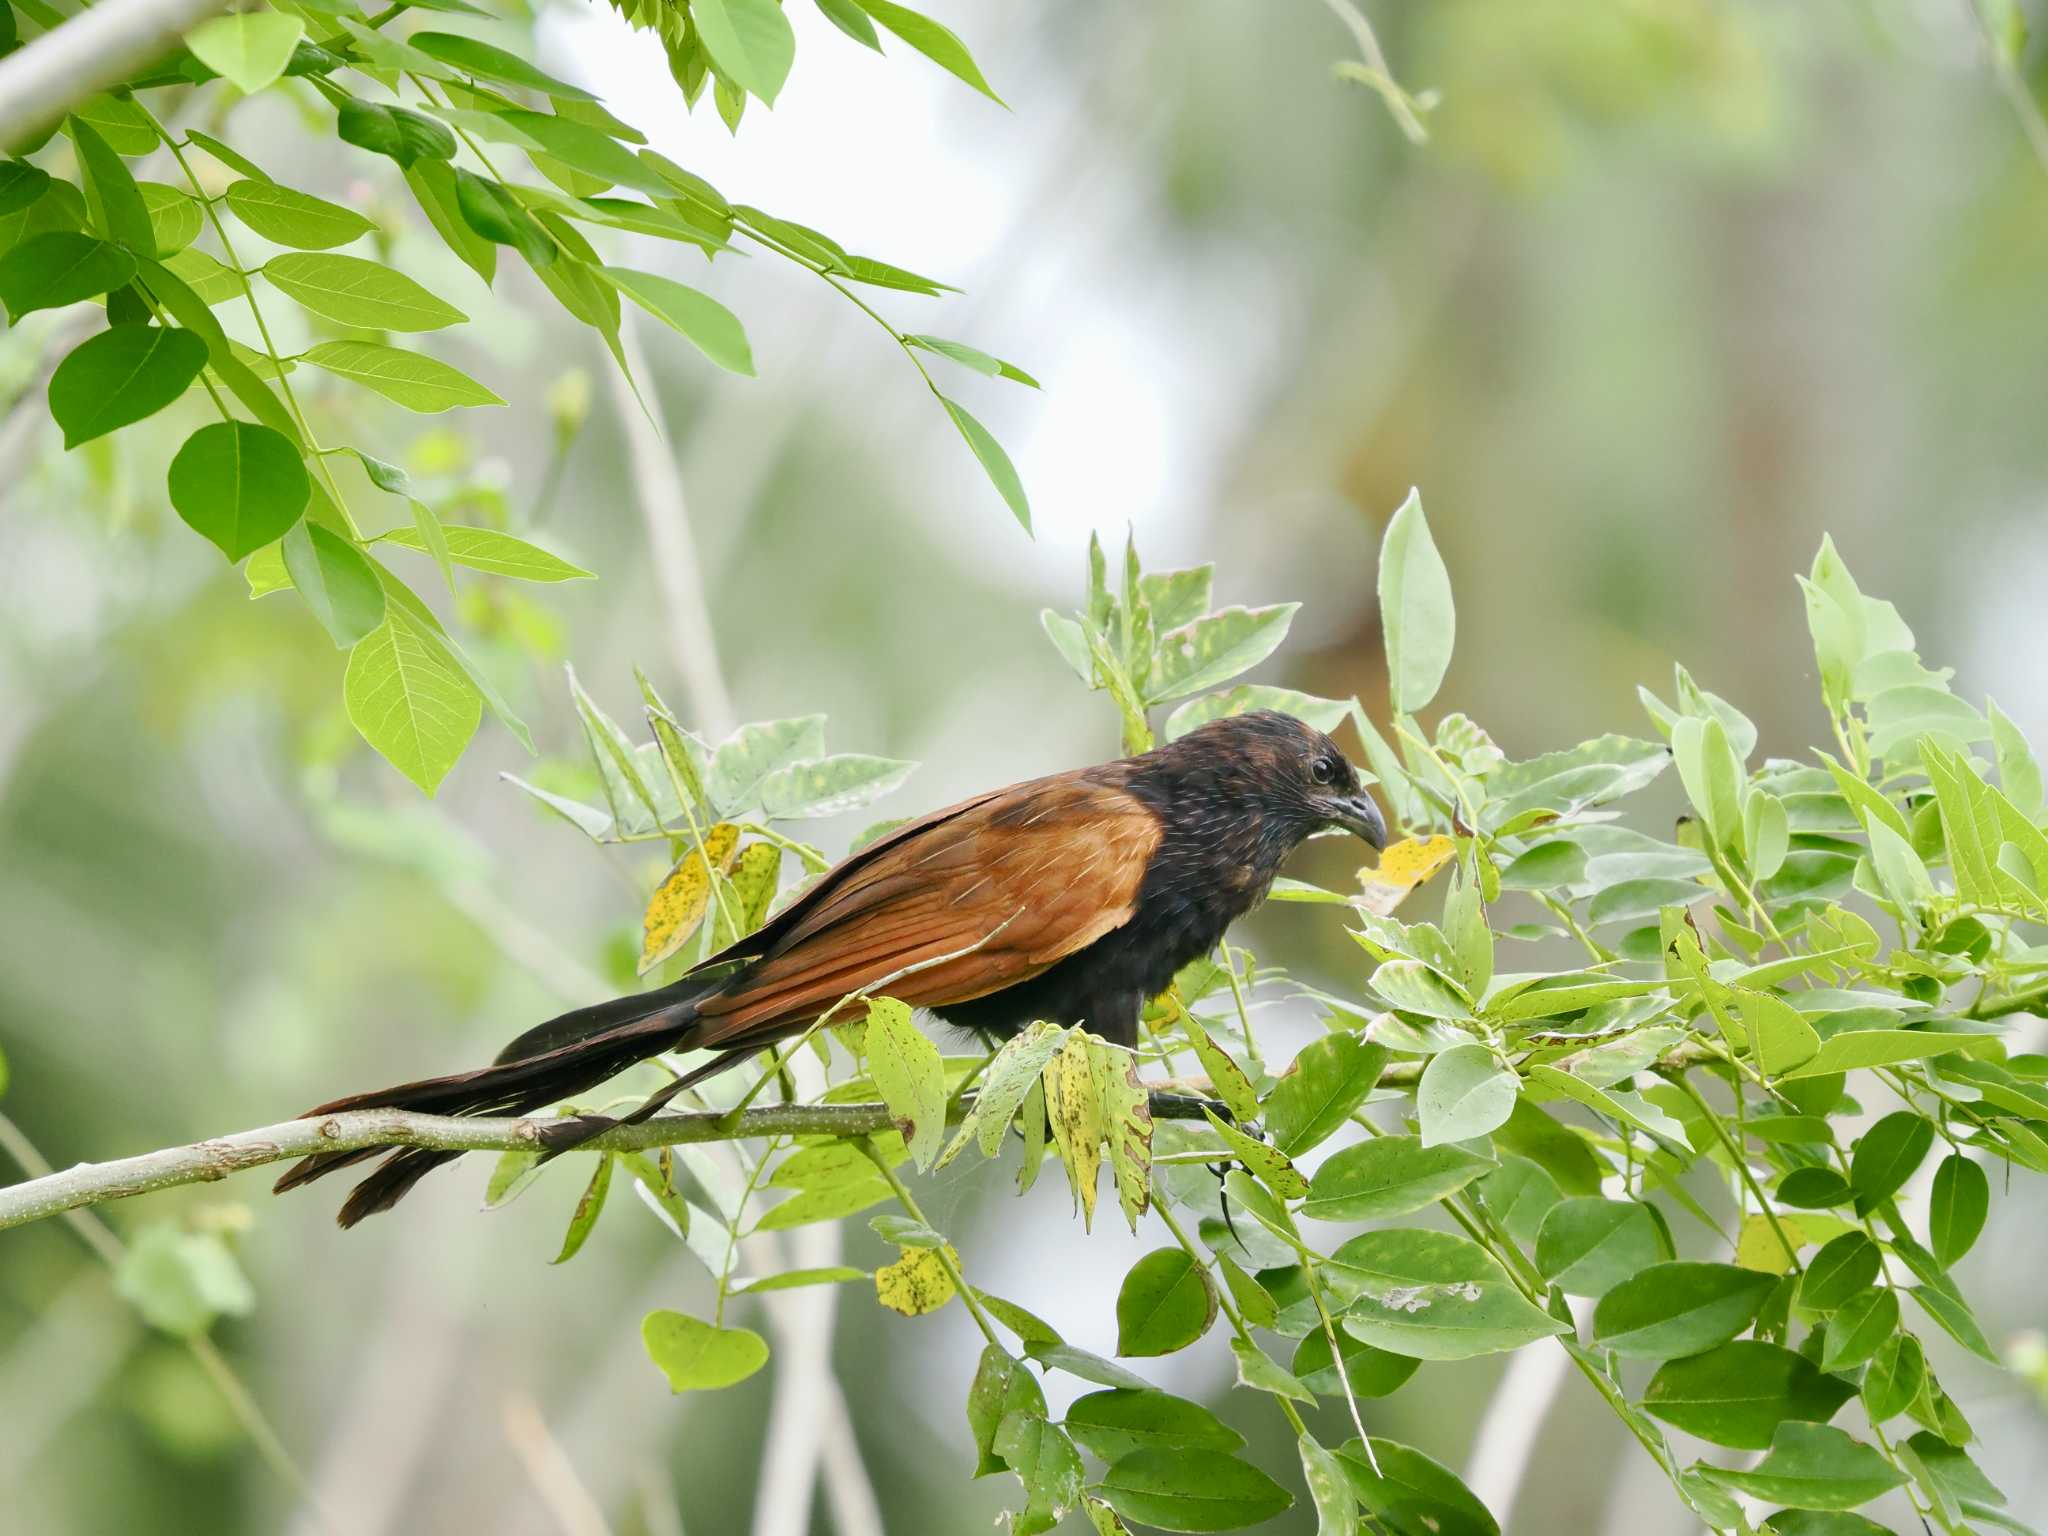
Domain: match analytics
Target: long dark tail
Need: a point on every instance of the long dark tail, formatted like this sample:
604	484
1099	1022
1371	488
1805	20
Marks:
551	1062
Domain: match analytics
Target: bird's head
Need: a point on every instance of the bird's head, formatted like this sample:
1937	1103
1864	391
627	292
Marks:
1294	772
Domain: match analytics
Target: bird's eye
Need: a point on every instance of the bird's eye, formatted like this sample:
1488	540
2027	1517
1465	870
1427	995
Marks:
1322	770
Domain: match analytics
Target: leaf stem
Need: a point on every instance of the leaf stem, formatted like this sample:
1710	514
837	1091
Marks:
1228	1306
946	1259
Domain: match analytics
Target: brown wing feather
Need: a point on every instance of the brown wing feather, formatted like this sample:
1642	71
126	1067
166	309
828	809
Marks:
1007	886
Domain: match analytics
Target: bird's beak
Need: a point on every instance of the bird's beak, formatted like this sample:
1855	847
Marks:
1357	814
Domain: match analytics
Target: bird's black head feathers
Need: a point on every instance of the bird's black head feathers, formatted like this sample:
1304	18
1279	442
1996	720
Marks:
1289	776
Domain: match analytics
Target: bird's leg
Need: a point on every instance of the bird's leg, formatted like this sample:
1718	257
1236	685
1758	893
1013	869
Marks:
1222	1172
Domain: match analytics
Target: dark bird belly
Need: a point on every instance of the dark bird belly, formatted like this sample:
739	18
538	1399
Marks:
1107	985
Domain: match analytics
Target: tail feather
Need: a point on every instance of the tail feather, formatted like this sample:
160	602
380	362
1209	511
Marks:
557	1060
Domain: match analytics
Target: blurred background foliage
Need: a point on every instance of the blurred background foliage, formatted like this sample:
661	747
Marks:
1673	288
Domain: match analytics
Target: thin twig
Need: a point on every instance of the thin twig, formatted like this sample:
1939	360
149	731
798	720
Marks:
207	1161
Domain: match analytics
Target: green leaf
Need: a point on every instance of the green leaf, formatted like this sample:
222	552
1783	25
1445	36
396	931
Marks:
588	1207
1955	1318
994	462
972	357
115	200
352	291
1465	1092
1229	1080
1738	1394
1843	1267
1166	1303
396	132
511	1176
1109	1425
225	154
338	583
1432	1296
1270	1167
753	752
1388	1176
707	324
409	702
204	276
1813	1466
852	20
21	184
698	1357
293	218
59	268
1002	1386
796	1279
1712	776
1897	1372
240	485
1044	1460
909	1076
1415	609
575	144
1212	650
1336	1505
932	40
433	186
1853	1048
1371	1372
250	48
174	219
1183	1489
1316	1096
121	376
1886	1156
1520	1193
1859	1328
1588	1246
1264	1375
2018	772
830	786
1956	1207
1677	1309
494	553
490	209
182	1281
1411	1495
412	379
1009	1078
750	41
474	57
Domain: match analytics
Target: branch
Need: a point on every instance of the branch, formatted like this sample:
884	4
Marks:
206	1161
97	48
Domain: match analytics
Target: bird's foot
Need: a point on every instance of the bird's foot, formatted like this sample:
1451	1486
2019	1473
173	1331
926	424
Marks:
1168	1103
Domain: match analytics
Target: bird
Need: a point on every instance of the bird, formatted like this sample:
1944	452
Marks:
1073	898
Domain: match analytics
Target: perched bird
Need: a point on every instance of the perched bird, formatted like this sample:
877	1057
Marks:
1072	898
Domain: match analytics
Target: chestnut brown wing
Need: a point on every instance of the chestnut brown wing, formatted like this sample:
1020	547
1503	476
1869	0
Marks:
978	898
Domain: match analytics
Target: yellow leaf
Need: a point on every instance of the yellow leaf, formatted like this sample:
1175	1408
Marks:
1126	1110
750	890
1401	868
917	1283
1074	1115
1759	1248
677	906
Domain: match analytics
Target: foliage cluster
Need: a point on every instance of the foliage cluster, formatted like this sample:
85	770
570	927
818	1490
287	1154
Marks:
1727	1158
186	267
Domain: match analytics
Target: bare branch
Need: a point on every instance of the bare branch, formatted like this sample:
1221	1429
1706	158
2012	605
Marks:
206	1161
96	48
